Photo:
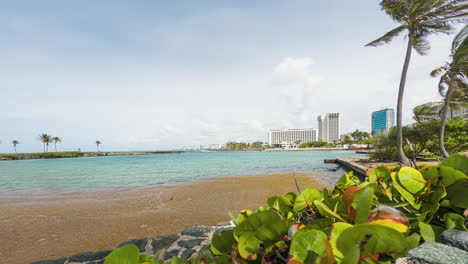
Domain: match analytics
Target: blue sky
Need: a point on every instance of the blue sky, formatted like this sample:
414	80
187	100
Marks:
165	74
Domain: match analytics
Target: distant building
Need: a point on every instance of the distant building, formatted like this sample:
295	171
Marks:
435	111
286	137
383	120
329	127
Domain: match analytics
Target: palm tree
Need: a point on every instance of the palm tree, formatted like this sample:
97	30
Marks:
15	142
97	144
419	19
452	84
424	112
55	140
45	139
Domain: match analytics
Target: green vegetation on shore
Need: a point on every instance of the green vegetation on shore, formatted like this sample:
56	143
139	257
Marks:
377	220
41	155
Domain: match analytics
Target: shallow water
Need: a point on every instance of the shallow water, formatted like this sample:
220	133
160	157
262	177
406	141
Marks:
123	171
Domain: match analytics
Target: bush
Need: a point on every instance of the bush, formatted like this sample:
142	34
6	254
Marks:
375	221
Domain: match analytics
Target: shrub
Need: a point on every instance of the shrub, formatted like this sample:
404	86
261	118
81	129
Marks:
374	221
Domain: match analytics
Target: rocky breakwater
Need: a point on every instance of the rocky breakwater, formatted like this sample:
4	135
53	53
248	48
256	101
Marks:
186	244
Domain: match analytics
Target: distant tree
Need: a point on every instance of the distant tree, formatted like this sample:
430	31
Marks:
452	84
97	145
56	140
421	112
419	19
15	142
45	139
256	144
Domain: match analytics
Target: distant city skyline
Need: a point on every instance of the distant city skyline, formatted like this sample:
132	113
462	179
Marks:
147	75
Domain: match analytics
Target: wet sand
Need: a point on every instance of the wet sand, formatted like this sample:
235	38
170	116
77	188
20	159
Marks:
49	225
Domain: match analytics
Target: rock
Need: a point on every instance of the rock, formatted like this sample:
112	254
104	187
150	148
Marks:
89	256
56	261
140	243
438	253
409	261
187	253
196	231
227	223
171	254
189	243
162	242
455	238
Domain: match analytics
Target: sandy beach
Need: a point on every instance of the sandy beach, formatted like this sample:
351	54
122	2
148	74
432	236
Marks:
52	224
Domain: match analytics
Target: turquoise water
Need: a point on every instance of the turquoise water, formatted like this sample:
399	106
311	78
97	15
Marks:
123	171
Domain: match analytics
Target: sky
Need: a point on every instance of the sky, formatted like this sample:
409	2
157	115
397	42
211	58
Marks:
154	75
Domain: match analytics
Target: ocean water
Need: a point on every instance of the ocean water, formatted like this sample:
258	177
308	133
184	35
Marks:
124	171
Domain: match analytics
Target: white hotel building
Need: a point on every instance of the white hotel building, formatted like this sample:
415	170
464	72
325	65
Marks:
286	137
329	127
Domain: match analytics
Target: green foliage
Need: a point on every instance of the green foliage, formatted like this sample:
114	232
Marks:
232	145
356	222
42	155
424	139
316	144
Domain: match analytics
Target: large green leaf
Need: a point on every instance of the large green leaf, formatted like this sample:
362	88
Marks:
411	179
264	226
306	199
431	203
325	211
447	175
374	239
454	221
362	203
308	244
407	196
347	180
337	229
379	173
128	254
427	232
281	204
458	193
222	243
177	260
457	161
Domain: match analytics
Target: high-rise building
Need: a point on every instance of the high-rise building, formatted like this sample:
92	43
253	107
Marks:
329	127
288	136
383	120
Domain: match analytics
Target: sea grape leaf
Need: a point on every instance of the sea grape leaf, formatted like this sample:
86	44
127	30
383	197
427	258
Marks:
379	173
447	175
374	239
412	241
362	203
454	221
351	255
222	243
458	162
427	232
392	223
347	180
325	211
337	229
290	196
411	179
306	199
404	193
458	193
177	260
431	203
128	254
281	204
308	244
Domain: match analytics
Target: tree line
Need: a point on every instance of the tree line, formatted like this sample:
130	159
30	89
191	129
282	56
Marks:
48	139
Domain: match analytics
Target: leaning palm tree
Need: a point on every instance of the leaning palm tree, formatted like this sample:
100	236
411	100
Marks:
45	139
419	19
55	140
424	112
97	145
453	81
15	142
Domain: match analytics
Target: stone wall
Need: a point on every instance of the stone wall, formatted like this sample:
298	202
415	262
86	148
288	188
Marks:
186	244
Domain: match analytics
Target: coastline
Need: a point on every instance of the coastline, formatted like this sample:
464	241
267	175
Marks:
48	225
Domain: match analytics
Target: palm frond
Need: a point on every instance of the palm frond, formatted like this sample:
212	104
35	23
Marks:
387	37
437	71
420	42
398	10
444	84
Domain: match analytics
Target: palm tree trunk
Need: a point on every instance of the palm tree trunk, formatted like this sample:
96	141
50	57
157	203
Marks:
401	154
14	146
55	146
44	147
443	118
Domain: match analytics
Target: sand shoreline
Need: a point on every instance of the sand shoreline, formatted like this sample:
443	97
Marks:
48	225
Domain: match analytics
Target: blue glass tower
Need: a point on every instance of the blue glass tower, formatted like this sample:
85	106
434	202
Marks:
383	120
